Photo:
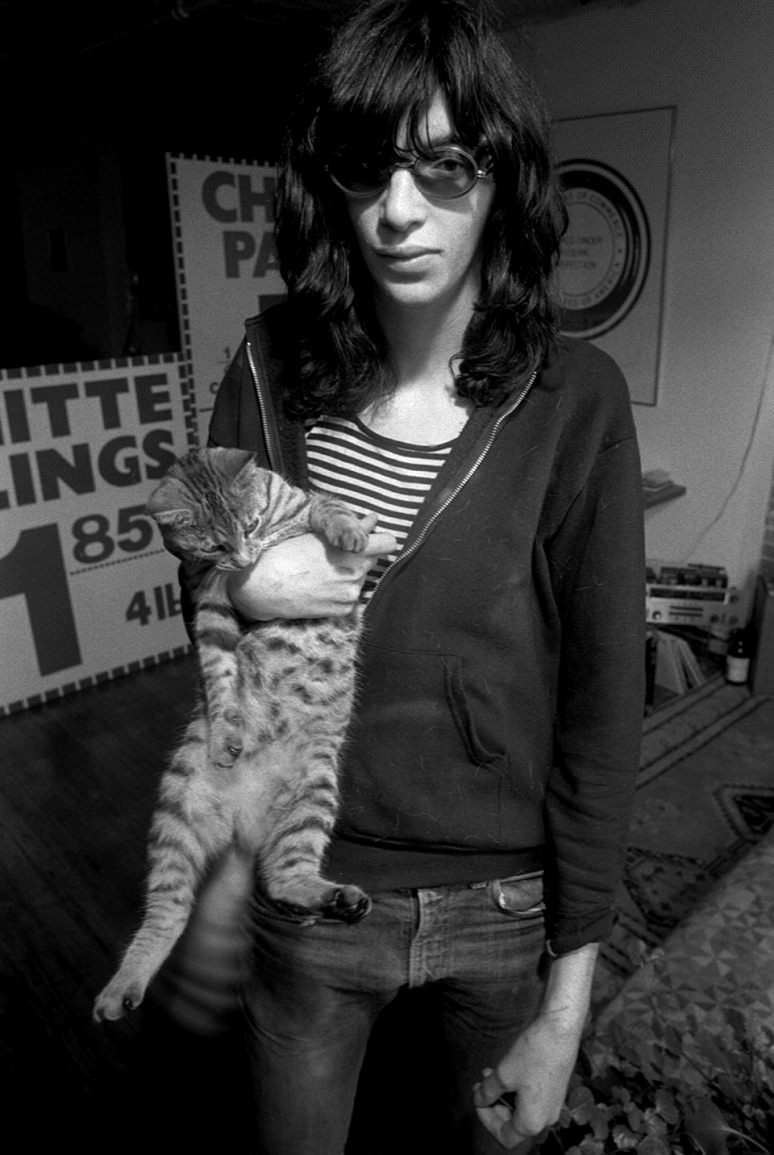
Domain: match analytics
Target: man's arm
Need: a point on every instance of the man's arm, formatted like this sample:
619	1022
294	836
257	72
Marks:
304	577
540	1062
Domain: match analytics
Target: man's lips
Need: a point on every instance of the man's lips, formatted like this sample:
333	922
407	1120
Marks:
402	254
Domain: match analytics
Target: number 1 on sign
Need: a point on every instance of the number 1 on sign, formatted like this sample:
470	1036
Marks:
167	605
35	569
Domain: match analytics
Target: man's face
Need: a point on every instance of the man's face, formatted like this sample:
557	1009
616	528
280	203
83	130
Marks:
420	250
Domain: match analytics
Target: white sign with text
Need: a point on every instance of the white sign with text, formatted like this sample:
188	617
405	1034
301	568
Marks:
87	590
226	262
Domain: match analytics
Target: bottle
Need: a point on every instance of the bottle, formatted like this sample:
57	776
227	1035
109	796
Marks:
738	657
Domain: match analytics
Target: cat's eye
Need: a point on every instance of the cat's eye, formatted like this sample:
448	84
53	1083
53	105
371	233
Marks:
252	527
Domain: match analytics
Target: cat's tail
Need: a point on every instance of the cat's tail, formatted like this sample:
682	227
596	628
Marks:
199	986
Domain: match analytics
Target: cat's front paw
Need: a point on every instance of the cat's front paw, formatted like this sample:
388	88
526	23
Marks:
118	998
346	904
346	533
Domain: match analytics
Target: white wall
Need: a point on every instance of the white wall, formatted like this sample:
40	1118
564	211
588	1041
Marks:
713	425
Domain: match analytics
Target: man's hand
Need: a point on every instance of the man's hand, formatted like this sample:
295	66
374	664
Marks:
537	1068
304	577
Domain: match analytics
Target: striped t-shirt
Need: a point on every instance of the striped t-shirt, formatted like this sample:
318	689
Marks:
373	474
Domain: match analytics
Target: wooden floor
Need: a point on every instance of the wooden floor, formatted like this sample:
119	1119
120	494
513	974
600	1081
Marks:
77	786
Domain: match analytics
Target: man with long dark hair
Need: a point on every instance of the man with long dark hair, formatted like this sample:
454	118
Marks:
416	370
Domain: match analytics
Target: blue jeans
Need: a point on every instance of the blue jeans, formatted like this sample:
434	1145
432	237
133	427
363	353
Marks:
315	992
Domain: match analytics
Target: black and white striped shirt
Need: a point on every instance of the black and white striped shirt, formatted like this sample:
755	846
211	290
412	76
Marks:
373	474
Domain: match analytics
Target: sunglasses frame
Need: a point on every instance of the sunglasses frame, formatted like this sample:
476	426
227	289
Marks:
455	149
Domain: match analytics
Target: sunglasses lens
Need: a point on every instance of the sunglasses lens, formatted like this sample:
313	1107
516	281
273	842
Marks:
446	173
358	173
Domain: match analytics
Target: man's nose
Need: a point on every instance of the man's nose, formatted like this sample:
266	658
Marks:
402	202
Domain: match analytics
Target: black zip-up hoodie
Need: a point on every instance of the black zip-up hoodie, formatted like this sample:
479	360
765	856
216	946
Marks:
501	673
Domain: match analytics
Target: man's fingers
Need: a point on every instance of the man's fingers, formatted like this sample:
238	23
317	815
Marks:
345	561
495	1107
379	544
489	1090
498	1121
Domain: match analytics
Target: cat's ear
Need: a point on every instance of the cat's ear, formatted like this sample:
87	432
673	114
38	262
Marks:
229	462
167	506
172	518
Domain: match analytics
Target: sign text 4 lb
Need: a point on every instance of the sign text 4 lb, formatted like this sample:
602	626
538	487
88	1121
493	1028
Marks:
160	603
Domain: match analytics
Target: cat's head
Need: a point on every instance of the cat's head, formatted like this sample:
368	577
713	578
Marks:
210	506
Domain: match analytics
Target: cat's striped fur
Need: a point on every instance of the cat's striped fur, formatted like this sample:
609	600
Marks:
257	766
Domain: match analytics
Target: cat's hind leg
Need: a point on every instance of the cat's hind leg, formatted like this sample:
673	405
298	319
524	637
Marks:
190	826
300	817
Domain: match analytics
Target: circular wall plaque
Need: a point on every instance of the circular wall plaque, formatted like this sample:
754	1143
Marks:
605	252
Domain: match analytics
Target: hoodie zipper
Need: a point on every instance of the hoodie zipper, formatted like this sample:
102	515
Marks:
272	450
415	544
418	540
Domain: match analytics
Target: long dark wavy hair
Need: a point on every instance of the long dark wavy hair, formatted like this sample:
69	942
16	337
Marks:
381	72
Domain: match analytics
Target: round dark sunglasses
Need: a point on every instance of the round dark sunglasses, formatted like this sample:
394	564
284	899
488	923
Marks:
443	173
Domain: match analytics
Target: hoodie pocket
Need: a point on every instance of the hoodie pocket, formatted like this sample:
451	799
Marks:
417	704
421	762
475	730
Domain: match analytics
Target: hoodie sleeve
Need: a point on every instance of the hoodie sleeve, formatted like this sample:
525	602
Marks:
598	568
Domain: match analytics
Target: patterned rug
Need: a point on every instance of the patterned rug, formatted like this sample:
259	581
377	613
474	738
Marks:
705	796
701	1008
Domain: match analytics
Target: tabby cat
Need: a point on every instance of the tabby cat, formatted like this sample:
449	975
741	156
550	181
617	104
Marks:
257	766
